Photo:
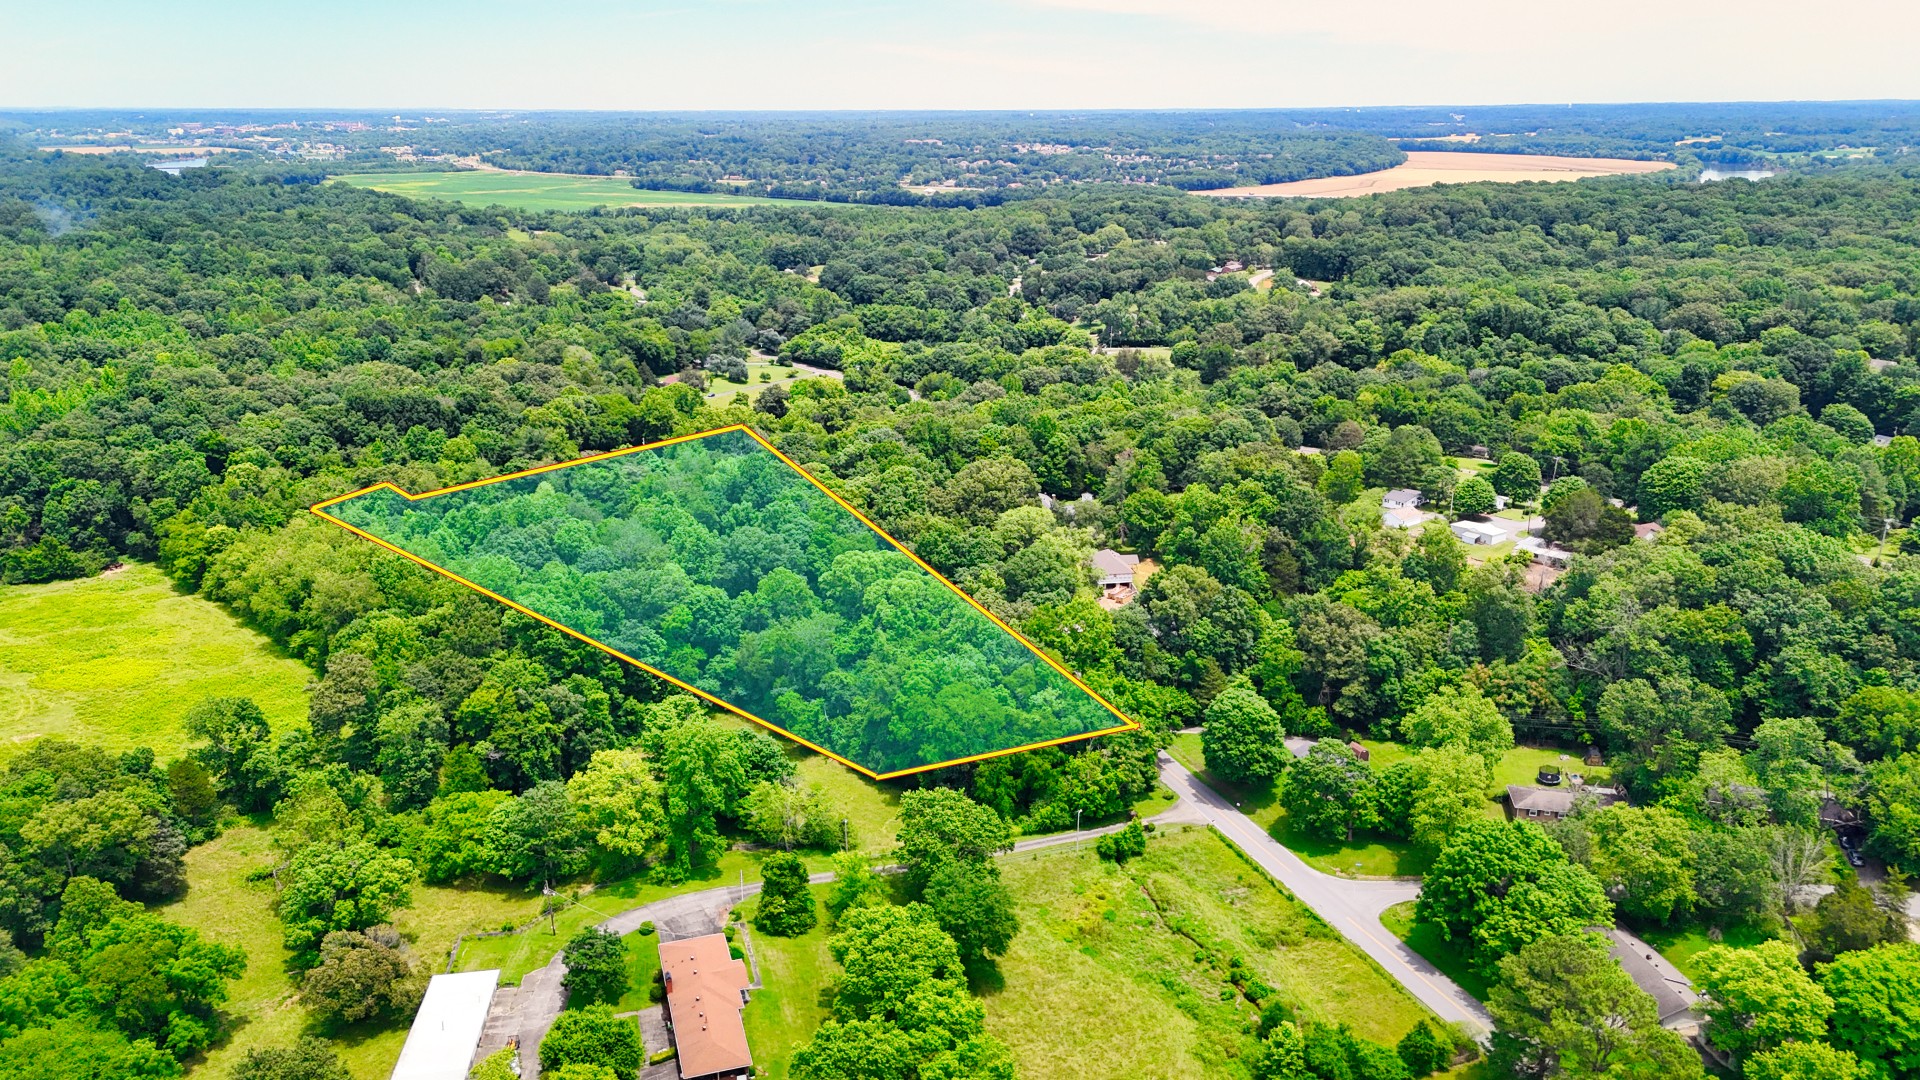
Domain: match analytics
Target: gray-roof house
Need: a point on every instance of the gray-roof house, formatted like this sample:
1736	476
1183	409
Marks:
1400	499
1114	568
1672	992
1539	802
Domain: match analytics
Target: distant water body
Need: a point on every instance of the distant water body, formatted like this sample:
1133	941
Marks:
172	168
1710	175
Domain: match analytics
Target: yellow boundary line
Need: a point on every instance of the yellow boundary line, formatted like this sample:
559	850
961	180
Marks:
1127	723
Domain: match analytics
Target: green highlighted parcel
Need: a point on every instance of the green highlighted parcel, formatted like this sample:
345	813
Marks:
717	564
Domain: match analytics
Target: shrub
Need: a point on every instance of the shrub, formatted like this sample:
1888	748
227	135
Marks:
592	1036
1424	1052
787	907
1128	843
596	967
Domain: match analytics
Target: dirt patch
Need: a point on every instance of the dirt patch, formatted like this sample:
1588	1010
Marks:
1424	168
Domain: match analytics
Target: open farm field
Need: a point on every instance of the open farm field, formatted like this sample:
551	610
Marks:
536	191
118	660
1424	168
1128	965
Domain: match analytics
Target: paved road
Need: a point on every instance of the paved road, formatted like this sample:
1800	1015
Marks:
1348	905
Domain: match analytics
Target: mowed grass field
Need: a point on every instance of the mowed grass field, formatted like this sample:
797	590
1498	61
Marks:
118	660
537	191
1119	972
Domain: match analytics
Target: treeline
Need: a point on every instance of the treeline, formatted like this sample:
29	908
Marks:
881	158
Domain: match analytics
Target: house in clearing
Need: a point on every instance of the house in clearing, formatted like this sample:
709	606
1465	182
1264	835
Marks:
1114	568
1556	803
706	989
1400	499
446	1031
1120	577
1403	517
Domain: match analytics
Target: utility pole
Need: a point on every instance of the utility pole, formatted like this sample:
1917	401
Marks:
1076	832
843	834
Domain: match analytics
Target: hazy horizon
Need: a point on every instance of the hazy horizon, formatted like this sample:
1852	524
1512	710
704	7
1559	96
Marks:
987	55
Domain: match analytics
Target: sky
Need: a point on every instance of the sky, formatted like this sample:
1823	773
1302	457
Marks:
959	54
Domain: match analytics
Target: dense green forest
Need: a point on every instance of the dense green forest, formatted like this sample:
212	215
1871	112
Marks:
715	562
194	360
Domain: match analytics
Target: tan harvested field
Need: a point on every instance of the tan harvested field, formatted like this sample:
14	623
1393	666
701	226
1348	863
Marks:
1424	168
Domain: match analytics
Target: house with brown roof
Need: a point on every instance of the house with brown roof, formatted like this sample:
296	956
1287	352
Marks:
706	989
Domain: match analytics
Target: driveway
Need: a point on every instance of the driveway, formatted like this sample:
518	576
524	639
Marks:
1351	906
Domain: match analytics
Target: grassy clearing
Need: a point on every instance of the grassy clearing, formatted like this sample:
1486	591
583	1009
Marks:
1364	856
872	809
1439	952
1121	972
1519	766
1683	944
537	191
224	906
787	1008
718	387
118	660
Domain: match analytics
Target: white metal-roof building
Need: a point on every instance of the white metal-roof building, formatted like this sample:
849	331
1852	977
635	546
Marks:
447	1029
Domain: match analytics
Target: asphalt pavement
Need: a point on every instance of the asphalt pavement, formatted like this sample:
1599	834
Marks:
1350	905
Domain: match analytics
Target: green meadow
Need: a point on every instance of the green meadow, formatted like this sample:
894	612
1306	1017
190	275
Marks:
118	660
535	191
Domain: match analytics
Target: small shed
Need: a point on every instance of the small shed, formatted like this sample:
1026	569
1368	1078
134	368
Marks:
1360	752
447	1029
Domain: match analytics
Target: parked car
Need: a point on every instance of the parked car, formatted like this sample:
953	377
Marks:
1855	858
1849	841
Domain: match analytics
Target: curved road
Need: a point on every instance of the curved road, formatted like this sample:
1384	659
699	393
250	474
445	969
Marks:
1348	905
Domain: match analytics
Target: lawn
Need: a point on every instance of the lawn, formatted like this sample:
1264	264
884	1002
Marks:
643	965
484	909
1520	765
1123	972
786	1010
1438	951
224	906
1365	856
1682	944
117	661
718	387
536	191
